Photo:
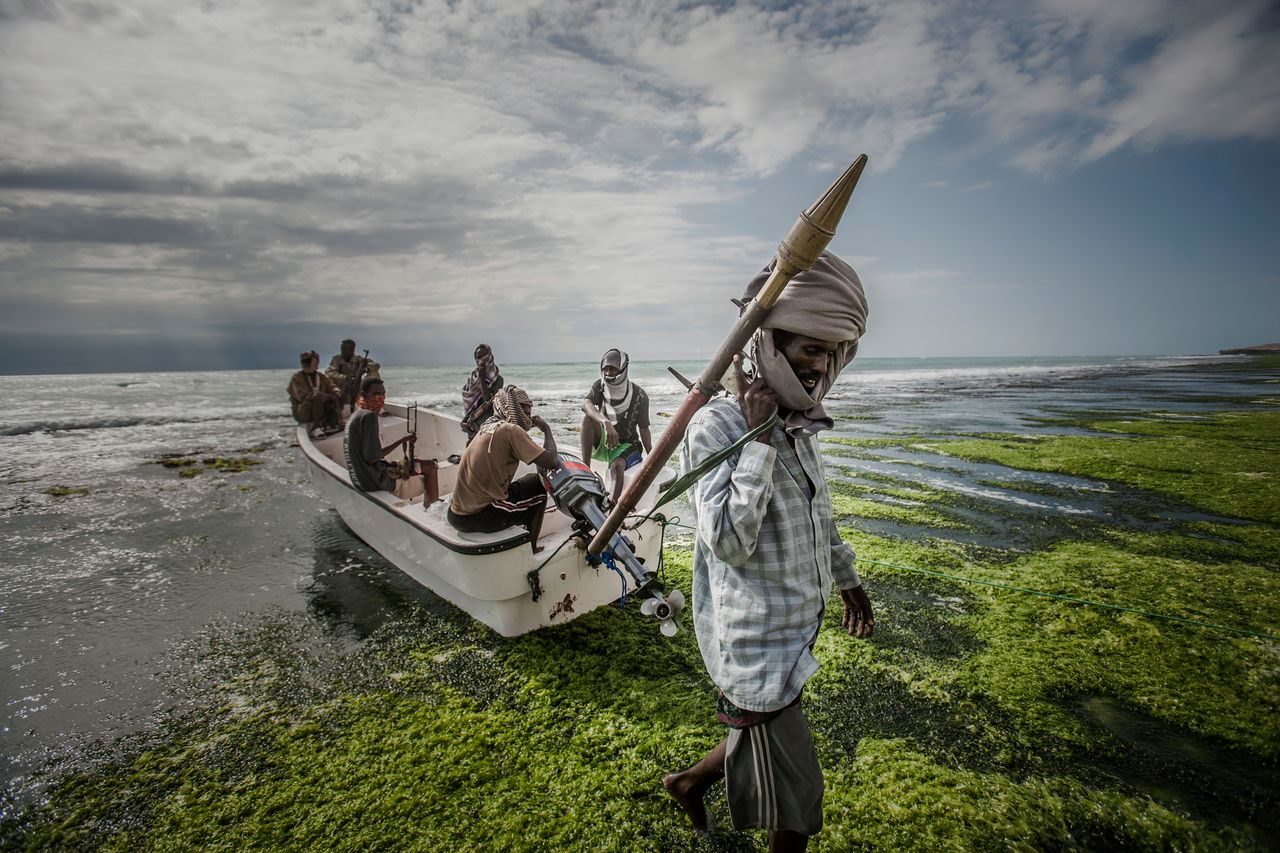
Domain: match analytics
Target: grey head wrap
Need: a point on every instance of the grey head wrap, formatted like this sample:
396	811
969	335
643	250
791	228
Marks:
825	303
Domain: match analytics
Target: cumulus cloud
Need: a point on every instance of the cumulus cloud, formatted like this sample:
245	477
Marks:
1212	79
1071	82
166	162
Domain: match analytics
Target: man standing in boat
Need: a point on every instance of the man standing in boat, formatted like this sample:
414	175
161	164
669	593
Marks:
363	444
477	394
766	554
616	424
485	498
314	399
347	370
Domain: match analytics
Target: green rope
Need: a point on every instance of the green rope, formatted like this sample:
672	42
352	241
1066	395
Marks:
1150	614
682	485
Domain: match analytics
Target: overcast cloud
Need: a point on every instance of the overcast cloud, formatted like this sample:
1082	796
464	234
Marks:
223	184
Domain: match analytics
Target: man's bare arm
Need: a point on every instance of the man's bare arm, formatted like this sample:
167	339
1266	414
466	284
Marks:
610	432
549	458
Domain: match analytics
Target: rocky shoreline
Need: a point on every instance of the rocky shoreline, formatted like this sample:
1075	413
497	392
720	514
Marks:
1259	349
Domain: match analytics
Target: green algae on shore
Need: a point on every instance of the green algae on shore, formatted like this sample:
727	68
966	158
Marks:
66	491
1227	464
906	506
976	718
189	467
229	464
558	739
457	739
1036	652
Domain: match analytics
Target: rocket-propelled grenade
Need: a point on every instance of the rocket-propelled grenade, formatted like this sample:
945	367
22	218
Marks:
797	252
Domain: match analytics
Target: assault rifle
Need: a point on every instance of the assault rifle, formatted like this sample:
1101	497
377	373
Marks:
351	388
486	396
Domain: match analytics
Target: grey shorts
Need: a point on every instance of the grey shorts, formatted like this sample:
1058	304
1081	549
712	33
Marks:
772	777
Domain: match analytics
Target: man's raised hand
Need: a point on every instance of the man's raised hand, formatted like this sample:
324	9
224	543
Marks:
756	399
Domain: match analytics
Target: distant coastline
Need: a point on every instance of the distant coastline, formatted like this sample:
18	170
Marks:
1259	349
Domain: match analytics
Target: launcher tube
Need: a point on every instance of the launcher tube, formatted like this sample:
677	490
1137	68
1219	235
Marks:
797	252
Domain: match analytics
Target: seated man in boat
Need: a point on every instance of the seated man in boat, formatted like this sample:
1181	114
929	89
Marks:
485	498
347	370
313	397
616	422
370	472
477	394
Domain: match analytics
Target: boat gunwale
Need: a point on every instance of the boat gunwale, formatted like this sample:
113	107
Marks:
476	550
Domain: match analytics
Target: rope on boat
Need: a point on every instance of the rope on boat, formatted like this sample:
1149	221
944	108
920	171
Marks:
682	484
662	548
1150	614
534	576
607	559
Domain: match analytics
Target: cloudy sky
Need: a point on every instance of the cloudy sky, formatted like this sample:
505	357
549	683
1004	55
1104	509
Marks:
222	184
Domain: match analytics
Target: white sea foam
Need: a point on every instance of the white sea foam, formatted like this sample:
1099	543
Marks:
1005	371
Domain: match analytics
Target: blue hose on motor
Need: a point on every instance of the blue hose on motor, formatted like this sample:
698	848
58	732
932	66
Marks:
607	559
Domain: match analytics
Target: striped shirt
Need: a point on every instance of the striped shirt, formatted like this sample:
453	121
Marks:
766	553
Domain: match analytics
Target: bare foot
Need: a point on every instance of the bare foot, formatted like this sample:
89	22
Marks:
681	791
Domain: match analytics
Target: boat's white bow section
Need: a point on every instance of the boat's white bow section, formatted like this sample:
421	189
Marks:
486	574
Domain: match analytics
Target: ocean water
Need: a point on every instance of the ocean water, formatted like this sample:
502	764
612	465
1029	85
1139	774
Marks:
104	595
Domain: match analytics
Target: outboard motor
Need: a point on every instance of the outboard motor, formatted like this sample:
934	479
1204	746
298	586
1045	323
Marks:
578	490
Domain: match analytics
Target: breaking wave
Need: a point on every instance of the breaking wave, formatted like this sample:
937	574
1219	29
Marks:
127	421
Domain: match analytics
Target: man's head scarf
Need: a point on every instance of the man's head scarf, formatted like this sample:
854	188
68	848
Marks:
825	303
508	408
481	378
617	391
373	395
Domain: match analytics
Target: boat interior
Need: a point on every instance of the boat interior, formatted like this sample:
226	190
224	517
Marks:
440	439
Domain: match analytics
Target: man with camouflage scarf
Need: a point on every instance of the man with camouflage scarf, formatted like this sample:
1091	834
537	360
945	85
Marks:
486	499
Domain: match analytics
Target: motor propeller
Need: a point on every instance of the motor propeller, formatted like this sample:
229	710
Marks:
667	610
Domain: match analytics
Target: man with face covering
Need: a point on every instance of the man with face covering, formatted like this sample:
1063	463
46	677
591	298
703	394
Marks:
477	393
766	555
363	447
616	422
486	499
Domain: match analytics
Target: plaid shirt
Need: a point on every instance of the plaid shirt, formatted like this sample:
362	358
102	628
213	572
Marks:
766	553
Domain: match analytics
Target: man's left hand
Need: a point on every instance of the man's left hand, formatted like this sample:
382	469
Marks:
857	619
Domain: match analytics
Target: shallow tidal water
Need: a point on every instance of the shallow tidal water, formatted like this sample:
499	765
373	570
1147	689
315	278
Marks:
132	602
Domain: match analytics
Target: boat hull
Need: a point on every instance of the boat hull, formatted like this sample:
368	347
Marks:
486	575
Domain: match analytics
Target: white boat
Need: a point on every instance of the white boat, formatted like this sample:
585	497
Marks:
495	577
